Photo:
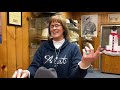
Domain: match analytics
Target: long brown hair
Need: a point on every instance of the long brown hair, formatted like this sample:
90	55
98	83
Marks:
62	21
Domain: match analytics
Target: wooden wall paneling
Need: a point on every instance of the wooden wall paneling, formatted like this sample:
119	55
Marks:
11	50
1	61
66	14
103	21
104	18
3	48
97	42
19	48
14	51
25	41
110	64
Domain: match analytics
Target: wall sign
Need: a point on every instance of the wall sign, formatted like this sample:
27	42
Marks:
14	18
113	17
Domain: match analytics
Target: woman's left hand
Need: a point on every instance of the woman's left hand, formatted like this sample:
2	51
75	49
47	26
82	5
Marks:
89	55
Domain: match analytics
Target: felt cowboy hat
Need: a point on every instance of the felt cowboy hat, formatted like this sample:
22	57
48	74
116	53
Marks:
43	72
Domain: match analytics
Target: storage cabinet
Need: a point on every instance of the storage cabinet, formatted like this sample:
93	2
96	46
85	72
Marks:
73	33
38	33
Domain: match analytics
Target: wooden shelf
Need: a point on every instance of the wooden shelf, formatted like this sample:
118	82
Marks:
72	27
41	38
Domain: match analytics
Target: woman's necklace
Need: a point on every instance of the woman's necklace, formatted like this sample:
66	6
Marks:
57	53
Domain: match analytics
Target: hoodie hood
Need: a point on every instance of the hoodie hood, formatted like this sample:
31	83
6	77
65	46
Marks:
49	44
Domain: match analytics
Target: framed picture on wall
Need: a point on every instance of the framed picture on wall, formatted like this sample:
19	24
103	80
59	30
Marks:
113	17
14	18
89	25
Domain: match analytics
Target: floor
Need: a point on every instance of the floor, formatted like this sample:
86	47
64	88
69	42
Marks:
97	74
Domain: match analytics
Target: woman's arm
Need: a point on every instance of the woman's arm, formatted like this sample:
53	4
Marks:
75	70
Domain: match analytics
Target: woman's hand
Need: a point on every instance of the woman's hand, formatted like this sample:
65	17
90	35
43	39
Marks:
89	55
21	74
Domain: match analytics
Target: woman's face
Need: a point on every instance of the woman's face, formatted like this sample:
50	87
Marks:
56	30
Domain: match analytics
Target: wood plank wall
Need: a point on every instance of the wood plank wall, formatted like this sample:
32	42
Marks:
3	47
14	50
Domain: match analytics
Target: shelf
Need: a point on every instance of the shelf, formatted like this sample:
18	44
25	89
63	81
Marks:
41	38
72	27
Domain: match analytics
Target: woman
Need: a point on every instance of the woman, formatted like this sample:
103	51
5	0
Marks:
58	53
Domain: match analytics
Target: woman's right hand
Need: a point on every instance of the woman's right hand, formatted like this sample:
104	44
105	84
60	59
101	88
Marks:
21	74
